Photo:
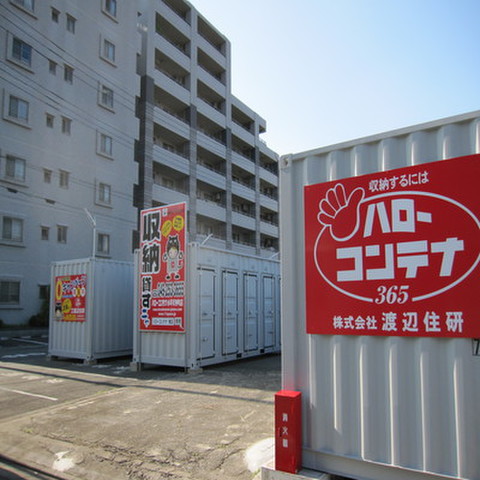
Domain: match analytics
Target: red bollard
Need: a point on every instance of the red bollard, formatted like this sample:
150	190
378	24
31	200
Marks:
288	431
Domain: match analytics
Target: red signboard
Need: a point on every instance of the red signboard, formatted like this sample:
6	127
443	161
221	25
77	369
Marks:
396	252
162	268
70	298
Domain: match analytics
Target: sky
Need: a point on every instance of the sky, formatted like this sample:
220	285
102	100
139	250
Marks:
321	72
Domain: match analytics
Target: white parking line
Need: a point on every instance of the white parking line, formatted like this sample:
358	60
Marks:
21	355
29	394
24	339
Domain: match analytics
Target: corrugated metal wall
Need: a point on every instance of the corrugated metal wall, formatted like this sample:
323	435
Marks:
372	403
220	326
107	330
70	339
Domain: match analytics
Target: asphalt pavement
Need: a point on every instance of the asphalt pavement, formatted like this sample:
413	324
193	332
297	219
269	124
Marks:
64	419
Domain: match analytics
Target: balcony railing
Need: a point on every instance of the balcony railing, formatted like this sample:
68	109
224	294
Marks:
244	155
173	113
173	150
242	182
203	163
212	136
176	78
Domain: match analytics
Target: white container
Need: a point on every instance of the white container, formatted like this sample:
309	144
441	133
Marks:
232	312
377	407
103	328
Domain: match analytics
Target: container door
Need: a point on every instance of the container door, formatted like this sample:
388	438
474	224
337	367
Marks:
268	311
230	312
251	312
207	313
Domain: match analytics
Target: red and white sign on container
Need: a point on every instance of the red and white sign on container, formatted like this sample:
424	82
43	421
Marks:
396	252
70	298
162	268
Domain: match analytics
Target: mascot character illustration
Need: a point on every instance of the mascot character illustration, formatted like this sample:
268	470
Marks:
173	257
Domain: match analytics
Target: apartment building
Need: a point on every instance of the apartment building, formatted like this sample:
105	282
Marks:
110	107
198	143
68	85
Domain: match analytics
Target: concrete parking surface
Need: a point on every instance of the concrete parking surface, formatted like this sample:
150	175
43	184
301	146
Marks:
103	421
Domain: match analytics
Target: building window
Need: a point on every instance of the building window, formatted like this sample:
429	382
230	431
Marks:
49	120
106	97
110	7
21	52
66	125
52	67
105	145
12	229
104	193
14	169
71	23
103	244
18	109
61	234
63	178
108	51
68	74
44	233
47	175
9	292
26	4
55	15
44	292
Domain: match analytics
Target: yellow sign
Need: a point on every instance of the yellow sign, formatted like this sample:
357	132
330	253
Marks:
178	223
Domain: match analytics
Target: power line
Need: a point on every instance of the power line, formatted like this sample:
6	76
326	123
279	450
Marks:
65	55
91	186
41	201
62	105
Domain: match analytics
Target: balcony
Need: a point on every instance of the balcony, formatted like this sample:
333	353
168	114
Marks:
211	144
171	149
269	229
243	191
172	86
214	230
211	81
211	110
171	69
243	162
244	239
211	209
172	34
243	220
211	36
178	10
166	157
268	176
269	202
164	116
212	52
171	52
240	132
166	195
211	176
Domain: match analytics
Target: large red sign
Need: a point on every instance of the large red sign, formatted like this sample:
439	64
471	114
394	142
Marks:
396	252
162	268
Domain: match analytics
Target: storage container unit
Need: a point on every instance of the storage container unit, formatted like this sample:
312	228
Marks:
232	312
91	309
379	407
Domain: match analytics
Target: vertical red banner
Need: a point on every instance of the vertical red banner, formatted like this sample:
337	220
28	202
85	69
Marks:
162	268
